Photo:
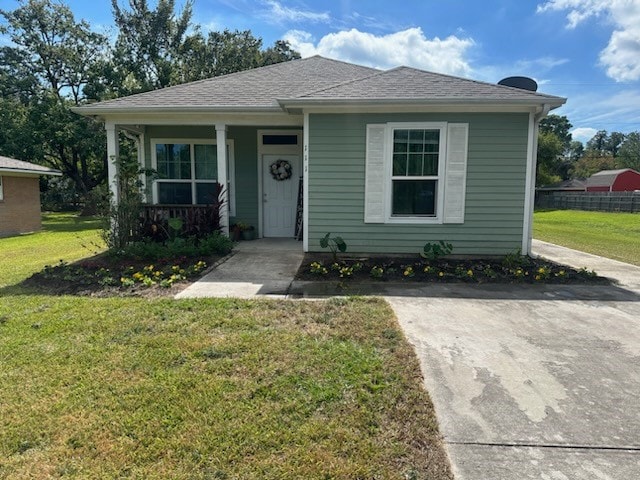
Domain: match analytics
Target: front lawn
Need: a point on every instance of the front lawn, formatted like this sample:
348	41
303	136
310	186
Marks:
611	235
64	236
226	389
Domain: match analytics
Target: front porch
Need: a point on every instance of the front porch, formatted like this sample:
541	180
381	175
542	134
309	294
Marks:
183	163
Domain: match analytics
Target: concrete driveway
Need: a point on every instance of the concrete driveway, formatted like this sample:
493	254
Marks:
533	382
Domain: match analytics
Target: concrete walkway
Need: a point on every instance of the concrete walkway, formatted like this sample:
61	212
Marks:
264	267
532	383
624	274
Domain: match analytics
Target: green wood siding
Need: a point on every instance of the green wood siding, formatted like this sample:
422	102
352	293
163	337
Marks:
496	170
246	153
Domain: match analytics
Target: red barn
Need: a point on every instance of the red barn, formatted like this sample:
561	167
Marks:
624	180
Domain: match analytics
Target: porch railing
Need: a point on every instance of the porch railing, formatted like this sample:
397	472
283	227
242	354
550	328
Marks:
197	220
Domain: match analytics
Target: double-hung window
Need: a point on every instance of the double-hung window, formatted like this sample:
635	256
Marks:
187	172
415	172
415	175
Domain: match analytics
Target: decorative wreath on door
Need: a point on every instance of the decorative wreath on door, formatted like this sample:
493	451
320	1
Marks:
280	170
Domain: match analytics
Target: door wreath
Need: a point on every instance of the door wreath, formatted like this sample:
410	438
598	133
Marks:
280	170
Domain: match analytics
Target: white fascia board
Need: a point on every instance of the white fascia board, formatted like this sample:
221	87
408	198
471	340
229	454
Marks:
89	110
297	103
271	119
18	172
424	109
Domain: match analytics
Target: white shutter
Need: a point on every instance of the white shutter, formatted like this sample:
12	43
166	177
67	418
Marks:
455	180
375	178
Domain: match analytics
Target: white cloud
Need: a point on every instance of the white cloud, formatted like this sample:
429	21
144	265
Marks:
408	47
583	134
621	57
281	13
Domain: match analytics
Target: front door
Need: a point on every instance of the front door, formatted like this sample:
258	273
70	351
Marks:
280	177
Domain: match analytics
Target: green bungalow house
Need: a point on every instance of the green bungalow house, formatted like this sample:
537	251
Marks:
389	160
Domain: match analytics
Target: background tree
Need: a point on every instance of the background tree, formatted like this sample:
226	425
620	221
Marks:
53	63
629	154
590	164
559	126
549	151
149	45
44	72
555	158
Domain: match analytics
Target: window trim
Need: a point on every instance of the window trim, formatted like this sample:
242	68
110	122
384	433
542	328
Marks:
231	180
438	218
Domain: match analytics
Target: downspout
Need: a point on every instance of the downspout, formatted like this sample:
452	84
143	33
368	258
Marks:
530	182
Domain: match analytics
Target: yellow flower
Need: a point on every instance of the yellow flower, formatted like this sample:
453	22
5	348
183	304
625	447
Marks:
441	274
470	273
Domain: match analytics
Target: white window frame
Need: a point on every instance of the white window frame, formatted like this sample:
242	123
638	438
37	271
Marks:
231	181
438	218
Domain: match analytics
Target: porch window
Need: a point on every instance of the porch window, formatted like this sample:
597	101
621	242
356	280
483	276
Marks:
188	171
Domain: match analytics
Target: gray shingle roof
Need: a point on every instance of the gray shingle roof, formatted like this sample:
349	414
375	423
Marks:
253	89
317	80
11	165
410	84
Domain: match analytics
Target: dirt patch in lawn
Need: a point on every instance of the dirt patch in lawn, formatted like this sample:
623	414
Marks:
510	269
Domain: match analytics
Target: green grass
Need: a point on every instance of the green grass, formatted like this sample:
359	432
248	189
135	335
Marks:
611	235
215	389
64	236
202	389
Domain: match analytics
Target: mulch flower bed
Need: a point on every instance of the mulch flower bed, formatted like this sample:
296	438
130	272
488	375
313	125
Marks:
510	269
107	276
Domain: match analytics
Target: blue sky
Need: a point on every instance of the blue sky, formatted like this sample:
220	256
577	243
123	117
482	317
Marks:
585	50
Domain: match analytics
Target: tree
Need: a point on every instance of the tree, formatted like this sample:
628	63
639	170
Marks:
598	142
559	126
549	152
606	144
613	143
45	71
592	162
280	52
575	151
629	154
150	43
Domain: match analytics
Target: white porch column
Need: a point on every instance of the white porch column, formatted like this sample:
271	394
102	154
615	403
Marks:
113	151
221	146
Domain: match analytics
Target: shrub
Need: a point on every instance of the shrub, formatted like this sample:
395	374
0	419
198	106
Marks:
213	244
433	251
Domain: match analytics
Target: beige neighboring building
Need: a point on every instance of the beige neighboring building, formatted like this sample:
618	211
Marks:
20	196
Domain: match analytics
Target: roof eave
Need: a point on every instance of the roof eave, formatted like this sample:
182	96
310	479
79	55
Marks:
296	103
172	109
55	173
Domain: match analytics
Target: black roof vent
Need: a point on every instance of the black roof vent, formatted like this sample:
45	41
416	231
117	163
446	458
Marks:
523	83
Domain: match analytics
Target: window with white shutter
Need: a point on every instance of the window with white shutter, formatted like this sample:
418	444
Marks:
416	172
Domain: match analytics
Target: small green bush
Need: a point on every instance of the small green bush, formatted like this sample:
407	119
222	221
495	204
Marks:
214	244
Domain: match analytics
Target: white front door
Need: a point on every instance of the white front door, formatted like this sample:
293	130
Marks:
280	195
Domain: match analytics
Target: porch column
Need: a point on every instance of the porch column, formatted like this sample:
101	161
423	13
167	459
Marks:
113	151
221	146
